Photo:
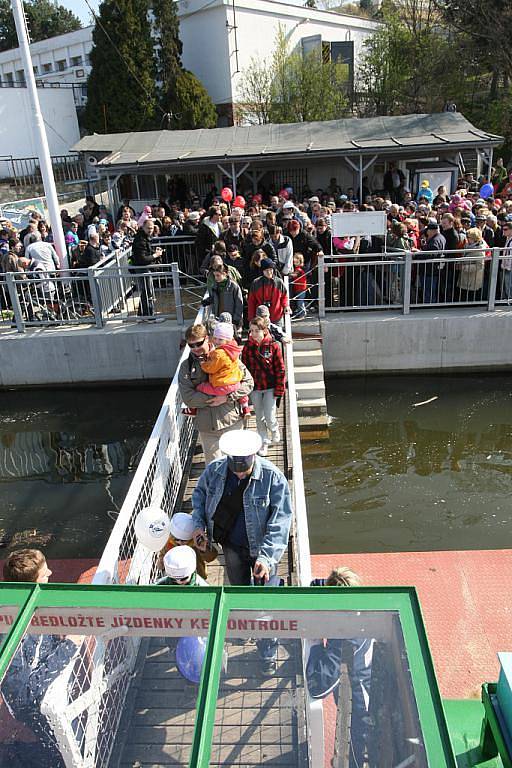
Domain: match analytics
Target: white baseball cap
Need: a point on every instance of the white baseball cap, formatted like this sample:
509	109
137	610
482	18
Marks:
180	562
240	442
182	526
288	204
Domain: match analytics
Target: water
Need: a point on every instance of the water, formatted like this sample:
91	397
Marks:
67	458
395	477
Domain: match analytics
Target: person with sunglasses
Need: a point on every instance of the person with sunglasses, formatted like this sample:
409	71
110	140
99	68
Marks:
243	502
215	414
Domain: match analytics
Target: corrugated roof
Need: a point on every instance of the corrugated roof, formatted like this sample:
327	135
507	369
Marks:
372	134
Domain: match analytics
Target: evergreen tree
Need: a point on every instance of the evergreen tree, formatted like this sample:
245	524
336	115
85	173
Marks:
168	47
45	19
121	90
190	104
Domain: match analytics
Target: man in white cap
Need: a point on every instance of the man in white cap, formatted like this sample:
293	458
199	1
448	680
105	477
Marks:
215	414
242	501
180	568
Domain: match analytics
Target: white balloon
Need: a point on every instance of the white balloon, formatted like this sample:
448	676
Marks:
152	528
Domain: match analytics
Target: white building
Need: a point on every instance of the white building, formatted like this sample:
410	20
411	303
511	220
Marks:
61	61
220	37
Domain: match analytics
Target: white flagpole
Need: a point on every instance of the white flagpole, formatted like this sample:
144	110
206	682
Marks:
43	151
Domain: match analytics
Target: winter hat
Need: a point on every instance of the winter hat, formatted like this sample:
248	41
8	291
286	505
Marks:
225	317
194	216
4	248
267	264
432	224
424	183
180	562
182	526
223	331
293	226
262	311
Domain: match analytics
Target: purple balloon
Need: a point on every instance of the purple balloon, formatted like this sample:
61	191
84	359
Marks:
190	652
486	191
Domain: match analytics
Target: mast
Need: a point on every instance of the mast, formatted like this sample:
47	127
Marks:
43	151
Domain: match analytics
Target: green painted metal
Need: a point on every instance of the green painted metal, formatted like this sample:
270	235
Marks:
219	601
465	718
492	740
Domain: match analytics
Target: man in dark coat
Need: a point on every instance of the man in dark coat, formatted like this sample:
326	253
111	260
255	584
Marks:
143	256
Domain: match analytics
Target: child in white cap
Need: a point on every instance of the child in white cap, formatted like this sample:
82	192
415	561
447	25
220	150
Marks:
221	365
180	567
182	528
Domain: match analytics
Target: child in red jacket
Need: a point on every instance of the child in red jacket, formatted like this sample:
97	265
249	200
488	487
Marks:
264	359
269	290
298	287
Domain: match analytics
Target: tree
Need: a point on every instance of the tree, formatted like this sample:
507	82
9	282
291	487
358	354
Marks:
292	87
190	105
121	87
168	47
45	19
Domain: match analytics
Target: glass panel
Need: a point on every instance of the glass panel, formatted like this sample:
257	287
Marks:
96	685
356	669
7	615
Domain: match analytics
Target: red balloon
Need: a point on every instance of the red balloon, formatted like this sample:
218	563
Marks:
284	193
227	194
239	201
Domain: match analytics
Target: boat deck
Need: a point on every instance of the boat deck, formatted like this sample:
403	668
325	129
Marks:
256	719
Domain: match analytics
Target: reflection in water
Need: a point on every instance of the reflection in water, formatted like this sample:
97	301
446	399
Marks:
67	463
398	477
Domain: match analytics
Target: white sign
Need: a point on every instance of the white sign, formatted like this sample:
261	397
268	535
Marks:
364	223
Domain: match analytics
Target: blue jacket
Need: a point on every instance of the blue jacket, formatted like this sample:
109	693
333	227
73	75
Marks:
267	506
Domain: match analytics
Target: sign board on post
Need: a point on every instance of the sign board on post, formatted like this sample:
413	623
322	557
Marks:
364	223
18	212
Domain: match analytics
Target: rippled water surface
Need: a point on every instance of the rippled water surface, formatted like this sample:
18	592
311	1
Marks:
399	475
66	460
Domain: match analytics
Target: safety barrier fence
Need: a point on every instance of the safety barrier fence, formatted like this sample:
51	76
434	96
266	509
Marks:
112	290
405	280
86	729
182	250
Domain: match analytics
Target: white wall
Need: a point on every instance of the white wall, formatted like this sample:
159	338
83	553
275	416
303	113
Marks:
209	46
59	114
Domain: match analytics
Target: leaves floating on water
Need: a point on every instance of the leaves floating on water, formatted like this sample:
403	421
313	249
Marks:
426	402
31	537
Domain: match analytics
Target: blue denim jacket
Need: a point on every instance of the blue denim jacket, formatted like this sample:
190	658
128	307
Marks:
267	506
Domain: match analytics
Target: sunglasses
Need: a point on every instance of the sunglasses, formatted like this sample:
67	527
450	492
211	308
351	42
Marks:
196	344
180	579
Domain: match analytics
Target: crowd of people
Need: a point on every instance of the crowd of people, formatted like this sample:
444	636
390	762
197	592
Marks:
450	236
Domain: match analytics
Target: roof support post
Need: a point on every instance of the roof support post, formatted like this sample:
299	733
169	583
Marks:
489	173
234	178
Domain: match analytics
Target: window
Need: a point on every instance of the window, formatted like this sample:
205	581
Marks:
9	78
311	44
47	67
76	61
61	65
343	53
36	70
297	178
20	76
79	73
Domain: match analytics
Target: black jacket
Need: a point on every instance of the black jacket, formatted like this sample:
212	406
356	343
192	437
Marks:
142	255
307	245
89	257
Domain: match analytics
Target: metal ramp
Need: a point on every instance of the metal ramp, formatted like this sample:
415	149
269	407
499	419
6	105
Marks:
257	720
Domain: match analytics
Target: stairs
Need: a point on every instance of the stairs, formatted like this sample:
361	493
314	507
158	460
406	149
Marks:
310	387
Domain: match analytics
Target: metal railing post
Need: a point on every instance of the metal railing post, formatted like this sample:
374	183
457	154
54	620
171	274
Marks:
493	279
321	286
177	292
95	297
406	289
15	302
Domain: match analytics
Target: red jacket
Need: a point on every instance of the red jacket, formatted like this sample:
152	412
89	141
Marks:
299	282
272	293
266	364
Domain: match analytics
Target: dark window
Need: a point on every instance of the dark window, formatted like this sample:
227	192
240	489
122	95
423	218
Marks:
343	53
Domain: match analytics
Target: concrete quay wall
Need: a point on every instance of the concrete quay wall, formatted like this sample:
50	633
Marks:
424	340
355	343
76	355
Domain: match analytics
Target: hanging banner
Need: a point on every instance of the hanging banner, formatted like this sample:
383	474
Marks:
18	213
364	223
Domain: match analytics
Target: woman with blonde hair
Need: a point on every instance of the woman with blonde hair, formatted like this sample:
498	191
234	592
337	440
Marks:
471	268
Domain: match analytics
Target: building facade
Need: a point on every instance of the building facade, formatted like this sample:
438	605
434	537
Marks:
221	37
59	62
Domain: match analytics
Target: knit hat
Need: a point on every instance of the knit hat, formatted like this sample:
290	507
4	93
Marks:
223	331
262	311
294	226
180	562
267	264
225	317
182	526
194	216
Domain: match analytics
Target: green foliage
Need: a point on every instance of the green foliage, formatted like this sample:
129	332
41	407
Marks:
191	105
292	87
168	48
121	88
45	19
